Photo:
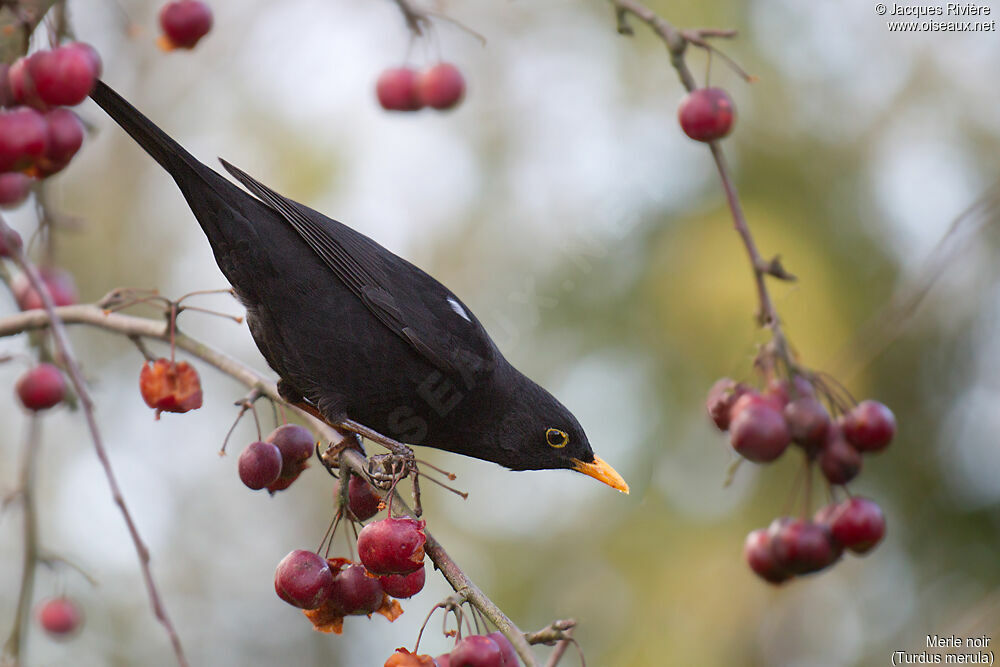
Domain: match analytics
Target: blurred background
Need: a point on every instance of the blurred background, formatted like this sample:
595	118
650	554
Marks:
562	202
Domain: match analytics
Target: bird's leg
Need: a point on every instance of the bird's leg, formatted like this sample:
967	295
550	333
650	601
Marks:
394	446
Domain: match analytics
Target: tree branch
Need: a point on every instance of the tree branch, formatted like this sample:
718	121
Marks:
677	41
65	353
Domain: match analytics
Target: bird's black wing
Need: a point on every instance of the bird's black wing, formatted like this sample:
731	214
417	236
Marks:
409	302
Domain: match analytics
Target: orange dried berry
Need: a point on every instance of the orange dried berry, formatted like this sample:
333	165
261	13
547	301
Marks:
403	658
169	386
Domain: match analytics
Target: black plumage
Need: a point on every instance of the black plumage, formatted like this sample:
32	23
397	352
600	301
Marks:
357	333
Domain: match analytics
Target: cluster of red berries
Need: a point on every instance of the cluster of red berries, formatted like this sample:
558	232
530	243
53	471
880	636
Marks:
706	114
791	547
404	89
278	460
761	427
38	135
391	555
60	617
492	650
184	23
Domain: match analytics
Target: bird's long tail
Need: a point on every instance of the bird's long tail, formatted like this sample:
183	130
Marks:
170	154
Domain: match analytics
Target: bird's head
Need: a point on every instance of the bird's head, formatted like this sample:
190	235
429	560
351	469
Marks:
539	433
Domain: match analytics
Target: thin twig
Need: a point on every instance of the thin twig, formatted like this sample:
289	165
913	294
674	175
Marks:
14	647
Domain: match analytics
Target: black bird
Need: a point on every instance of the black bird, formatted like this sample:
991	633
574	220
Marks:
359	336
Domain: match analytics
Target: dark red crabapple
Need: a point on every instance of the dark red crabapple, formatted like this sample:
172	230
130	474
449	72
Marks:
403	585
759	433
361	498
801	546
259	465
14	189
721	397
441	86
296	445
392	546
839	461
808	422
506	649
59	283
396	90
23	138
65	136
303	579
59	617
858	524
184	23
41	388
782	391
706	114
354	592
752	397
476	651
869	426
63	76
759	556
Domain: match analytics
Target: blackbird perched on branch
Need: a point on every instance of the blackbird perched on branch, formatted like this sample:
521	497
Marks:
359	336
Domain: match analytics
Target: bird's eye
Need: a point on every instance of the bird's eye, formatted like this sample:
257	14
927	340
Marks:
556	438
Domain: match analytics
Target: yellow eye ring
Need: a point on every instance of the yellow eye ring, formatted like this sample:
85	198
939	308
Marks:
556	438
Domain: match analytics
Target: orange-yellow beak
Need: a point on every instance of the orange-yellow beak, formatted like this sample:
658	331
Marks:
602	472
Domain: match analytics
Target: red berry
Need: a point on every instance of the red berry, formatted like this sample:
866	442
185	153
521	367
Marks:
858	524
721	397
259	465
476	651
63	76
59	284
751	397
22	86
808	423
442	661
361	498
14	189
839	461
392	546
41	388
168	386
396	90
65	136
783	391
185	22
296	445
506	649
60	617
303	579
354	592
403	585
10	241
441	86
801	546
870	426
23	138
758	554
706	114
759	433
